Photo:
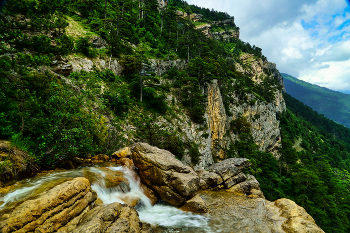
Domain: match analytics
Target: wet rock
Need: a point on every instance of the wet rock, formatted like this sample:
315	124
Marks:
130	200
152	196
51	210
246	186
15	163
122	153
108	178
146	228
229	167
160	170
126	162
195	205
298	219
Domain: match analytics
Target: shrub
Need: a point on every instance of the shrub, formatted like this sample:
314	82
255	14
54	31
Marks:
65	45
82	45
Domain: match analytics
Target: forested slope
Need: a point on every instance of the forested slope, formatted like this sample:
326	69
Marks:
332	104
57	114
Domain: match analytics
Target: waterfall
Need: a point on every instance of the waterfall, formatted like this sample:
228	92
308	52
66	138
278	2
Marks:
161	215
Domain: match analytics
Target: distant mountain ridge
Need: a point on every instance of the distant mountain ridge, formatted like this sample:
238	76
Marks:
334	105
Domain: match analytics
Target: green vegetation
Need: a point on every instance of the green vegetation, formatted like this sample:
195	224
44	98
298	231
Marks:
332	104
57	117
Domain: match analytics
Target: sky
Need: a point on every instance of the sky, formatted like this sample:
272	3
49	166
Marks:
308	39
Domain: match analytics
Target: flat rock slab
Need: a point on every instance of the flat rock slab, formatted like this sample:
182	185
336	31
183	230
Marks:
238	213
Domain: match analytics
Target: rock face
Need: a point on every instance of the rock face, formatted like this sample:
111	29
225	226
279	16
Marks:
217	118
159	169
238	213
14	163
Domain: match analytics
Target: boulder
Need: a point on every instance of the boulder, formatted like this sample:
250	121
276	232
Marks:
160	170
51	210
210	178
122	153
195	205
235	180
298	219
229	167
246	186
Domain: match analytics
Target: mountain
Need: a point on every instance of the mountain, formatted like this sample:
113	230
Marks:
82	78
332	104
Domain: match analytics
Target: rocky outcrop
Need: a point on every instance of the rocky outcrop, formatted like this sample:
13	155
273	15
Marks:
14	163
239	213
159	169
298	219
160	67
60	65
196	17
246	186
225	35
229	174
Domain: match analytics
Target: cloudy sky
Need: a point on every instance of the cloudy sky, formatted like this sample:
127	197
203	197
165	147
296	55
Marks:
308	39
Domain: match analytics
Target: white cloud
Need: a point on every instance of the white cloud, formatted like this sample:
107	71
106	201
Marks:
309	40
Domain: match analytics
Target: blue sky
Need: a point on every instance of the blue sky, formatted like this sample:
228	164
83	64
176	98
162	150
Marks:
307	39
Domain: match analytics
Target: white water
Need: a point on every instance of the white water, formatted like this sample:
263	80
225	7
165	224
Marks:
161	214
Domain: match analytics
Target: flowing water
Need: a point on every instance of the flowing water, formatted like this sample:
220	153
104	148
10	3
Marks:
164	217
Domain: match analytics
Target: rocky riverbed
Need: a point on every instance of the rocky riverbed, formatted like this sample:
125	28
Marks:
149	191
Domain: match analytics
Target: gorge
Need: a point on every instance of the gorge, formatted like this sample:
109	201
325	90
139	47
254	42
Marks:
127	116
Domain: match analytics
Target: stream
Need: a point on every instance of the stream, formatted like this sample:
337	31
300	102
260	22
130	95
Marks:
164	217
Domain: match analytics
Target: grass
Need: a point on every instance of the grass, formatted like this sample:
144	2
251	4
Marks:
76	29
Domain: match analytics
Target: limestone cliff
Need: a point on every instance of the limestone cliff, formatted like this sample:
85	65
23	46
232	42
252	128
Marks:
212	135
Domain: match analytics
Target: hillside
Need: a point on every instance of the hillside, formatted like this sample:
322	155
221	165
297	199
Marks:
83	78
332	104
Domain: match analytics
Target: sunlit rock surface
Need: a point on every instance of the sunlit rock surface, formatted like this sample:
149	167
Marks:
237	213
160	170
